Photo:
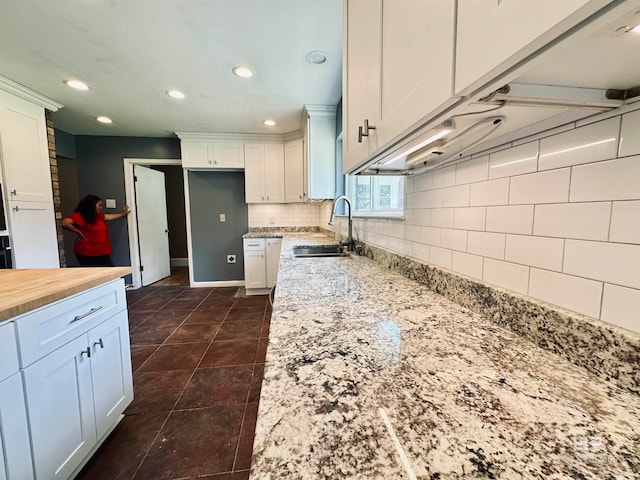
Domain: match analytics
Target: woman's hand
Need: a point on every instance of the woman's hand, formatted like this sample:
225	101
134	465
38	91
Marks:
125	210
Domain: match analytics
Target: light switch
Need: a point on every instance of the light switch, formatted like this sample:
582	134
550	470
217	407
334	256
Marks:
110	203
223	217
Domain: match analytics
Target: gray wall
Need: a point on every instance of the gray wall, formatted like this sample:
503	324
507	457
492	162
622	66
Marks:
65	144
101	172
210	194
174	186
69	198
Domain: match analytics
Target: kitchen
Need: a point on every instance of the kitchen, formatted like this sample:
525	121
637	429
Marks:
525	214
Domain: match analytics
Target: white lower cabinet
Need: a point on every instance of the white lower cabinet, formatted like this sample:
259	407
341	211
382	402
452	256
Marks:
261	261
76	394
15	452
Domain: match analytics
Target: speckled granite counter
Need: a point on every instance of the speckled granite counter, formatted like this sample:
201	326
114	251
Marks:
370	375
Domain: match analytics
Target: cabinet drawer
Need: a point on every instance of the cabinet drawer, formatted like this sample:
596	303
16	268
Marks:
44	330
9	363
253	243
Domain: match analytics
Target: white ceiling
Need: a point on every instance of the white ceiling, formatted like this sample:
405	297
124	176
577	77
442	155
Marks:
130	52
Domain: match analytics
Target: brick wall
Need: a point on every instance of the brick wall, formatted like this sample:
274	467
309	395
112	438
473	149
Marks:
53	164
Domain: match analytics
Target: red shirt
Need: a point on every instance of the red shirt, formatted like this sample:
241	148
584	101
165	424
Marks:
97	242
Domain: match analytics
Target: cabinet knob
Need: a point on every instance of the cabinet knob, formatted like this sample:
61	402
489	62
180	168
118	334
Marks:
99	342
14	192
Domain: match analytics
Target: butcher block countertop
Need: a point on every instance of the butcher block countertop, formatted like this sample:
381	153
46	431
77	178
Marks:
25	290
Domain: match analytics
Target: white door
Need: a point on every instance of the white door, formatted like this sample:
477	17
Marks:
153	229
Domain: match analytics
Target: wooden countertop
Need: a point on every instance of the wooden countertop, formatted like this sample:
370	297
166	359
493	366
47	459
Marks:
28	289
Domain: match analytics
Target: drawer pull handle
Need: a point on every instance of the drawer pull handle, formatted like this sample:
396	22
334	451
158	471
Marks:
99	342
80	317
87	351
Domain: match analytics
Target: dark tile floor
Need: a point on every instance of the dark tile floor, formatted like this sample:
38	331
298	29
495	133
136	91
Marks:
198	360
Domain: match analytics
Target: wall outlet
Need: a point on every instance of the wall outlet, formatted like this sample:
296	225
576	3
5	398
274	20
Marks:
231	258
110	202
223	217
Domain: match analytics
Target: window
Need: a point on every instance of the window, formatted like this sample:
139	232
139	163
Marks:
381	195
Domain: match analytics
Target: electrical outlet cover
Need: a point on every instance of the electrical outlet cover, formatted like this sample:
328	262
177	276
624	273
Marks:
110	203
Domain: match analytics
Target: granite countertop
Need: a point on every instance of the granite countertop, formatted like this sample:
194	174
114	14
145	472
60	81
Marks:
370	375
22	290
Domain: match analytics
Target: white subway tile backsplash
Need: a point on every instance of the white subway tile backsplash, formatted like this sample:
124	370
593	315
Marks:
413	233
421	252
535	251
284	215
585	221
591	143
457	196
413	200
440	257
611	180
625	222
629	138
422	217
475	170
431	236
470	218
405	247
432	199
444	177
610	262
442	217
486	244
467	264
507	275
620	307
573	293
544	187
493	192
510	219
453	239
514	161
423	182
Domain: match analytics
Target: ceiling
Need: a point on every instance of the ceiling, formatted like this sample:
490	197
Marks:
130	52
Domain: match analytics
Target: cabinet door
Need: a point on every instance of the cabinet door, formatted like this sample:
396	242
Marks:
60	409
274	245
196	154
253	173
228	155
321	154
273	177
15	451
493	35
110	371
33	235
255	275
25	155
361	78
294	171
416	63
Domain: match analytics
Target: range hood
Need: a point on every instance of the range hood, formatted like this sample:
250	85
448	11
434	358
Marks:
592	69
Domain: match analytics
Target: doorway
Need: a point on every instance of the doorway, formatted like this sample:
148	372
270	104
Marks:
134	235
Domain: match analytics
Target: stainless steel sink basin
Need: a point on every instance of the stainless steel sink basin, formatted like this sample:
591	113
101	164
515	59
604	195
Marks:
318	251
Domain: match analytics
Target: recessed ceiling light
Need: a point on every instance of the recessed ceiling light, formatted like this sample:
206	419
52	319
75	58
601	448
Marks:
244	72
635	29
103	119
269	123
176	94
77	84
316	57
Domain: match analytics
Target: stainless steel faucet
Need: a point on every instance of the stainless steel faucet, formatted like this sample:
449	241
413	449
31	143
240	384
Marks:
350	243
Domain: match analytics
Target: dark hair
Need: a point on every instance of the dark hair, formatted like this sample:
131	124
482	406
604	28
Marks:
87	208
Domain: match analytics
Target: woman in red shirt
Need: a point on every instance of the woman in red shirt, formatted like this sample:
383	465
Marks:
92	247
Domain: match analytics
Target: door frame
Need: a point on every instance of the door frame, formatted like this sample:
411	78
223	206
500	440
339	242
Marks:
132	219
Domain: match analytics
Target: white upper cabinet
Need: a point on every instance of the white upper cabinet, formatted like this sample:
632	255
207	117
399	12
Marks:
264	173
320	152
493	35
294	171
228	155
25	154
398	70
199	152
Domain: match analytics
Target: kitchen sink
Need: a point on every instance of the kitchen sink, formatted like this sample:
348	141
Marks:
318	251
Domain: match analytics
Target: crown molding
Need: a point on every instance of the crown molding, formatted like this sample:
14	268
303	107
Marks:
27	94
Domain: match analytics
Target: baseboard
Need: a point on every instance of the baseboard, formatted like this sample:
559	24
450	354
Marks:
180	262
229	283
